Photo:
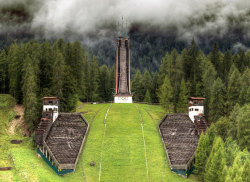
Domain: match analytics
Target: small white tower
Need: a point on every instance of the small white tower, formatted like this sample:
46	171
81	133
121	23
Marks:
196	107
51	105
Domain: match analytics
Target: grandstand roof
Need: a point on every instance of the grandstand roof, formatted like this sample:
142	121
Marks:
65	139
180	139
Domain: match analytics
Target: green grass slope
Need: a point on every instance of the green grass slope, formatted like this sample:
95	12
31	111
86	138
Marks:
121	150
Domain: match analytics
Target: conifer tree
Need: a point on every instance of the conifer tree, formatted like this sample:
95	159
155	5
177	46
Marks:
45	65
215	162
137	86
69	89
155	88
76	65
201	156
3	72
227	63
245	87
147	97
58	71
59	45
211	132
216	59
225	173
208	77
217	101
15	72
29	90
147	82
243	127
182	103
87	80
112	83
231	148
104	84
234	87
236	168
242	64
165	94
246	171
222	127
94	80
232	118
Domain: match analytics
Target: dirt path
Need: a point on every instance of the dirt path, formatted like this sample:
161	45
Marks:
18	122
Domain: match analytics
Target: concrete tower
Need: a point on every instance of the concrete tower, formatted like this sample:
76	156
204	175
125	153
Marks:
123	91
196	107
50	108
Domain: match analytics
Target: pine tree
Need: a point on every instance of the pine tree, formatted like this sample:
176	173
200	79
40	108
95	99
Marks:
165	94
201	156
104	84
69	89
182	103
58	70
246	171
234	87
29	90
3	72
245	87
94	80
243	127
211	132
242	64
147	98
222	127
87	80
208	77
215	162
15	62
217	101
232	149
76	65
155	88
137	87
227	63
45	65
236	168
147	82
232	118
225	173
215	58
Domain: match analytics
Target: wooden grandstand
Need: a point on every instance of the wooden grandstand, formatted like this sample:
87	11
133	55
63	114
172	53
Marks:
180	139
63	141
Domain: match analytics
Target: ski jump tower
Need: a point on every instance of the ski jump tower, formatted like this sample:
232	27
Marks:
123	90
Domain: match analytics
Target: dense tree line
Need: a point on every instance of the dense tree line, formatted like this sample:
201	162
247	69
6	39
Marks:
31	71
223	151
222	78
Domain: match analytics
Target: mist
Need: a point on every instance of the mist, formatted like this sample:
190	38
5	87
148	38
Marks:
99	19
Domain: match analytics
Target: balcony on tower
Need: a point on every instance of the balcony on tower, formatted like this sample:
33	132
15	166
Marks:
196	107
50	108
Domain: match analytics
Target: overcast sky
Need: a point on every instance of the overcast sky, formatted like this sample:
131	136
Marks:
189	18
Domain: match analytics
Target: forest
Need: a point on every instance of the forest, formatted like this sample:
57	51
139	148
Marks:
32	70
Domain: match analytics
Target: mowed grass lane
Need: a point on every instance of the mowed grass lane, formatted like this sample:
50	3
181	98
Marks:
93	146
123	151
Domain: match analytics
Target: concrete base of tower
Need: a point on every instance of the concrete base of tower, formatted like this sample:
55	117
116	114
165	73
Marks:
123	99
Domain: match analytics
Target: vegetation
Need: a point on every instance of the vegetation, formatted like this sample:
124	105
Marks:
121	142
223	151
29	71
